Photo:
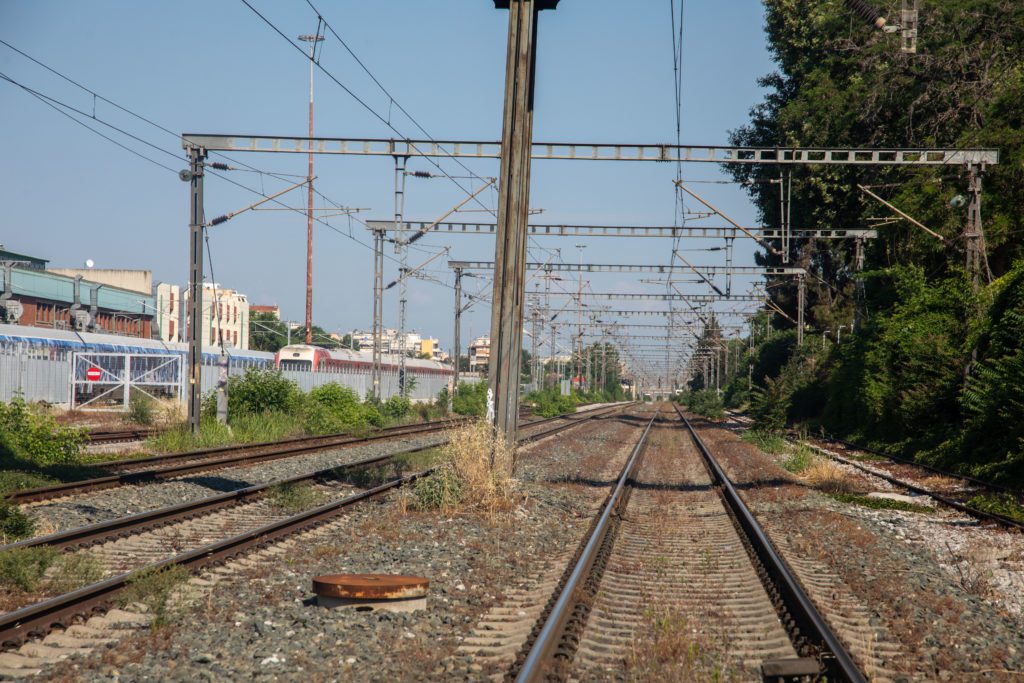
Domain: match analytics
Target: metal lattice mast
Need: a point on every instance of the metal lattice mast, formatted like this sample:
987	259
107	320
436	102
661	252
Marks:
402	247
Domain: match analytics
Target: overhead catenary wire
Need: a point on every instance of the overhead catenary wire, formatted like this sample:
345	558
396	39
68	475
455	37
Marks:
360	100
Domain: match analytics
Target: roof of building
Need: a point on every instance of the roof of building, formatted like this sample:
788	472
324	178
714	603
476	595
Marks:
30	261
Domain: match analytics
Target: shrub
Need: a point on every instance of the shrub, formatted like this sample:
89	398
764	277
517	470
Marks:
396	407
154	588
24	568
294	498
551	403
470	399
706	402
141	409
14	524
31	437
259	391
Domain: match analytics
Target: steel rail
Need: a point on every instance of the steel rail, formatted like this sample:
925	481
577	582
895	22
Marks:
942	498
810	622
301	445
20	624
542	654
981	483
143	521
98	437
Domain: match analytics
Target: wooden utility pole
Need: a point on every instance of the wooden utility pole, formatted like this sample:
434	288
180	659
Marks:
513	212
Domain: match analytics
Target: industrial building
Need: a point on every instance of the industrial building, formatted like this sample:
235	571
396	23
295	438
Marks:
68	300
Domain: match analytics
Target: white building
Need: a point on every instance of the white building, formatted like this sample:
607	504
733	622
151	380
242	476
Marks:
225	312
391	342
479	354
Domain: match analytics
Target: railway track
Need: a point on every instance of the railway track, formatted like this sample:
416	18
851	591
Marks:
208	531
675	545
946	488
952	490
171	465
106	436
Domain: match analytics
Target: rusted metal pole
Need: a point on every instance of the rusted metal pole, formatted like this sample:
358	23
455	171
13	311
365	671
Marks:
312	40
513	213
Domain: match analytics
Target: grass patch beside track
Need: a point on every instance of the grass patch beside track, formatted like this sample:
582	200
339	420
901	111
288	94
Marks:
880	503
998	504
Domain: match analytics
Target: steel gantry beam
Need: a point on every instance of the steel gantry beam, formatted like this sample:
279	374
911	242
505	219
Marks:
457	228
643	313
918	156
692	298
633	268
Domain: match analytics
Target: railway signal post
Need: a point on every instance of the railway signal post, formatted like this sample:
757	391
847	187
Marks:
513	213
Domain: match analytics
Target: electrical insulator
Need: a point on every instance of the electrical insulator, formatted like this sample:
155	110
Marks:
219	219
866	12
421	174
219	166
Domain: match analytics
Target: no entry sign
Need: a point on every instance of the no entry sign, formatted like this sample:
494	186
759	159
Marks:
93	374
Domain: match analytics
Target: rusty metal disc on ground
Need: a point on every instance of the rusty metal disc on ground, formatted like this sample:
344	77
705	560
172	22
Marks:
370	586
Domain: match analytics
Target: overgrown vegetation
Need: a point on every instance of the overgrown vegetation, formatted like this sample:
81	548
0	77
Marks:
43	569
667	647
880	503
154	588
470	399
706	402
914	358
293	498
29	437
999	504
142	409
551	402
474	473
264	405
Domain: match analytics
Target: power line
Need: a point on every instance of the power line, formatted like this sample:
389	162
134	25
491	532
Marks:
362	102
45	100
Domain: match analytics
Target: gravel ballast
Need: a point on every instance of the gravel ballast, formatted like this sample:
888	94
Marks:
91	508
260	623
948	629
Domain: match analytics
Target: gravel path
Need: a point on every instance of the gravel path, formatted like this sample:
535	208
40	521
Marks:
259	623
948	629
69	513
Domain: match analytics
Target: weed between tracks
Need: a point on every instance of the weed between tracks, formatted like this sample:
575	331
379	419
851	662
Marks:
880	503
473	474
36	572
673	646
154	588
292	498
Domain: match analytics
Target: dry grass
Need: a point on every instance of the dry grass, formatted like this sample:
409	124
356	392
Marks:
670	647
474	474
828	476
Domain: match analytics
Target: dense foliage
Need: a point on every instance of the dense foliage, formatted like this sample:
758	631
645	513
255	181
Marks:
929	364
29	437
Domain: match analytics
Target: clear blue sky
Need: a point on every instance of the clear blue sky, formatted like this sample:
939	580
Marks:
604	75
